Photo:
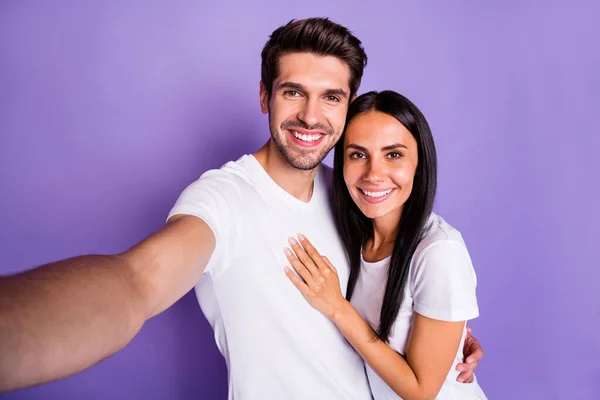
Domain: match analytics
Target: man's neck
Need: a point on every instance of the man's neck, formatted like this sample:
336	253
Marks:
296	182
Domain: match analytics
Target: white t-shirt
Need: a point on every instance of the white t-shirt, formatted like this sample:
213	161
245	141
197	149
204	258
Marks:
275	344
440	285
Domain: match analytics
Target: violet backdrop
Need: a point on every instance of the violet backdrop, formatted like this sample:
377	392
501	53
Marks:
109	109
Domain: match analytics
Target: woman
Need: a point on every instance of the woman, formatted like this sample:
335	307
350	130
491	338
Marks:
412	285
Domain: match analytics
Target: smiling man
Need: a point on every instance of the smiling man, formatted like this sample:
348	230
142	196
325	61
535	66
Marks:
225	236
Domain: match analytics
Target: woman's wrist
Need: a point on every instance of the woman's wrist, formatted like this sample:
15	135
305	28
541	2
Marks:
341	312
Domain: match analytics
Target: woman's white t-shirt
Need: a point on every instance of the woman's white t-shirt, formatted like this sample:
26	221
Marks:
441	285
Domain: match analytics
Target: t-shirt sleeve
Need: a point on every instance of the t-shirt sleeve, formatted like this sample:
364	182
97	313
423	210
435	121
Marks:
212	198
444	281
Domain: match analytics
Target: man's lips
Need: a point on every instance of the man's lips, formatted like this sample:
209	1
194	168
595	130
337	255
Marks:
307	131
306	138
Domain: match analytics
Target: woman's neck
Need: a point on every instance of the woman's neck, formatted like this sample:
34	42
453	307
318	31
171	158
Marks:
385	230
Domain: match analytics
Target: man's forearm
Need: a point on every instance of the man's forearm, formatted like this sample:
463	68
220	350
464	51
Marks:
59	319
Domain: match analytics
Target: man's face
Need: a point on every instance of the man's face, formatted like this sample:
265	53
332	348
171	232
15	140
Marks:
307	108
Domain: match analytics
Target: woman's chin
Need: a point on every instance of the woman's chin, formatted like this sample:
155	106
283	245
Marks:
371	212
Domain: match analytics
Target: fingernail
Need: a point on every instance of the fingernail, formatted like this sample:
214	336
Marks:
461	380
292	241
286	268
287	252
470	361
301	237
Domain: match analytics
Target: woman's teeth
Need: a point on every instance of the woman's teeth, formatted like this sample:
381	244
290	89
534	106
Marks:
376	194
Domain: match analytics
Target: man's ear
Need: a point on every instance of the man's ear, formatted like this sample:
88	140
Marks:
264	98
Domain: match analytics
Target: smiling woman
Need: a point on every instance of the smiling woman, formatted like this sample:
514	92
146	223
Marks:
412	285
381	166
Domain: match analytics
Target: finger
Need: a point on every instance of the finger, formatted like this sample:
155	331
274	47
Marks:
299	267
469	330
312	252
475	355
303	256
466	371
464	378
302	287
467	367
329	264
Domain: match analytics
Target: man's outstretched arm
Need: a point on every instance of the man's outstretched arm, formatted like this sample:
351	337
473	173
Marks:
63	317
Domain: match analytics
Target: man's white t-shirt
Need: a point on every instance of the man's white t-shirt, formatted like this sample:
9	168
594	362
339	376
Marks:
440	285
275	344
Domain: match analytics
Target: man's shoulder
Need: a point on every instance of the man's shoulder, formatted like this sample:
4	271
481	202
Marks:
233	174
228	183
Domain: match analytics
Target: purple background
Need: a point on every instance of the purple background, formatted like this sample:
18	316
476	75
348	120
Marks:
109	109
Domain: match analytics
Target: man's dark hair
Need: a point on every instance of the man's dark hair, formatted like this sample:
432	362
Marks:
313	35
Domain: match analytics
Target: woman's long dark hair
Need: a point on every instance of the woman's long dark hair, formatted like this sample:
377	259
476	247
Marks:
356	229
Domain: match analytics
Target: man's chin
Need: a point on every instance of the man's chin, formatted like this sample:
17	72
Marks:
304	163
302	159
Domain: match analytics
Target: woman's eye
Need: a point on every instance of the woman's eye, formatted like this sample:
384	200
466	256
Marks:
395	154
356	155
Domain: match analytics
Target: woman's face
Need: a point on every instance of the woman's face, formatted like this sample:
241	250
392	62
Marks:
380	160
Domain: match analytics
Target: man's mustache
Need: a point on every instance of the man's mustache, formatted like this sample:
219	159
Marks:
304	125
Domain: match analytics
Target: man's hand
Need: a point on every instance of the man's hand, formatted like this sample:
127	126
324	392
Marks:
472	353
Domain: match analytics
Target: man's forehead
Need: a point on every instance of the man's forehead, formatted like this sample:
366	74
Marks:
313	71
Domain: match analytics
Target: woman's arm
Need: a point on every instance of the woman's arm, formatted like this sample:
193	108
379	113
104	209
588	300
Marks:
432	345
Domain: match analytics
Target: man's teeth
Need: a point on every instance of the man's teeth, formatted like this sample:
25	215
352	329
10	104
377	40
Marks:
306	138
377	194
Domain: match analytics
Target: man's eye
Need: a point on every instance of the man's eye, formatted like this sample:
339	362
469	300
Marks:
332	98
291	93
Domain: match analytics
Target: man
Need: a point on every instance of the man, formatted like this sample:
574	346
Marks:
225	235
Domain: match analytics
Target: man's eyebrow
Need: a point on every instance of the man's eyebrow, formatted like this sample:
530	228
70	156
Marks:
336	92
290	85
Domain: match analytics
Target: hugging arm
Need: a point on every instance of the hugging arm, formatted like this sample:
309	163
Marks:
432	345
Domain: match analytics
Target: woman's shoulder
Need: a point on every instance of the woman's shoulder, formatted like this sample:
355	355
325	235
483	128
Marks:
439	233
442	277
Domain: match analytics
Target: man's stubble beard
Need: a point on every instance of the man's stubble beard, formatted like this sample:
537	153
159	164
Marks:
299	161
